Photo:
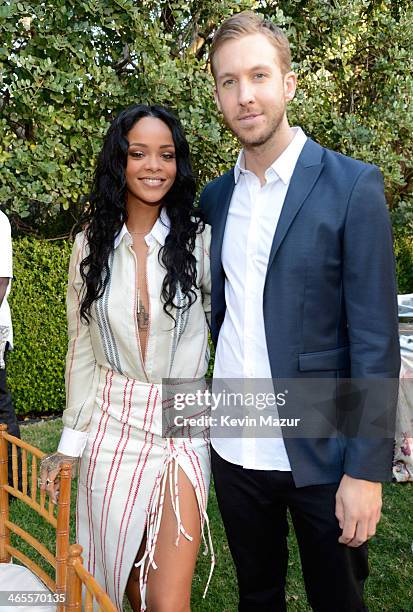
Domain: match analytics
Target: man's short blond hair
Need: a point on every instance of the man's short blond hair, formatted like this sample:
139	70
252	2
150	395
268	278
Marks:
245	23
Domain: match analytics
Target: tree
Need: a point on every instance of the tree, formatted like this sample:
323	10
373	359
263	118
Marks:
68	66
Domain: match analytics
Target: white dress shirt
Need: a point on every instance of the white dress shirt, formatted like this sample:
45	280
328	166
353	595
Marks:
6	271
242	349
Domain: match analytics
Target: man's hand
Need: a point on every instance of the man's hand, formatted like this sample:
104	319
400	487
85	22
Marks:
358	507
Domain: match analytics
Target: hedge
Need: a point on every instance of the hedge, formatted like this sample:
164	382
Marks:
36	366
37	299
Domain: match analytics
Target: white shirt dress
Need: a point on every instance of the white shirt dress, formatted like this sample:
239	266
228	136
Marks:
113	416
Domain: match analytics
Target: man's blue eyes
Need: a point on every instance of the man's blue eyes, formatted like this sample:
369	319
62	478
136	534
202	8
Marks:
258	76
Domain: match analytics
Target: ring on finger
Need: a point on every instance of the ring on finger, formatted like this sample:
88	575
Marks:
48	481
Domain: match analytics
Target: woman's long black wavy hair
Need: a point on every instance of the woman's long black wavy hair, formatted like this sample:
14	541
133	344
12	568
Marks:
107	213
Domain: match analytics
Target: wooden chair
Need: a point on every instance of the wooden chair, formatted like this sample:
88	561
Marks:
77	576
56	515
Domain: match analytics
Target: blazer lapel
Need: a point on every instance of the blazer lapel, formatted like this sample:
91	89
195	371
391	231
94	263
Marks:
218	226
306	173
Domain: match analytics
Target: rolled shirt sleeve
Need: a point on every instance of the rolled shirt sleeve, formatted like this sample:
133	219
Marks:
81	374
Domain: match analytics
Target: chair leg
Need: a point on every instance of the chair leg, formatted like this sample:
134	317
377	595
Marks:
4	498
62	541
73	584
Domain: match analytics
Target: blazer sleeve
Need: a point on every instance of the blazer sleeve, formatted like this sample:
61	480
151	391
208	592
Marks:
203	202
81	368
369	287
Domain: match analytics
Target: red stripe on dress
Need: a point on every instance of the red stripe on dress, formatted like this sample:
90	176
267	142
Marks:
199	465
196	474
130	511
69	373
92	465
148	507
93	474
202	477
117	587
102	521
77	502
126	505
129	427
147	405
87	476
124	514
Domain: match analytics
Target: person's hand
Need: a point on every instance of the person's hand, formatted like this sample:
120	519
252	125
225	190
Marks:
50	470
358	508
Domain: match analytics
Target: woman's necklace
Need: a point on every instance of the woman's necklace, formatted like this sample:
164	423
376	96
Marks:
140	233
142	314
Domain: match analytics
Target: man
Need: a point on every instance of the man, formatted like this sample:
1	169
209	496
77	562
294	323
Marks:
7	414
303	287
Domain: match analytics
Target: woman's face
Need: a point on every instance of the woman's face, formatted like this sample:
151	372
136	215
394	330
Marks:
151	164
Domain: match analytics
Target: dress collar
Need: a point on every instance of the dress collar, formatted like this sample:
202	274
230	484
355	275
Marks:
159	231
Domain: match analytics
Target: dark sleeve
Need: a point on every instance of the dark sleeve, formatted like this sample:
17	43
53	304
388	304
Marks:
4	283
203	203
370	294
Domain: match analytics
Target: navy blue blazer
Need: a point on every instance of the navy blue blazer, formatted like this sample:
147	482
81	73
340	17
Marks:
329	304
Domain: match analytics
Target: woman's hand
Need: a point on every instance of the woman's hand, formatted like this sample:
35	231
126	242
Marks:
50	470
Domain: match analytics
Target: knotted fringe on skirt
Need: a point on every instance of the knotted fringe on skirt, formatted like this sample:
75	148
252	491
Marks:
169	474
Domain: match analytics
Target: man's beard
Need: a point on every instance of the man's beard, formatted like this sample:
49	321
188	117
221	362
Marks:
259	140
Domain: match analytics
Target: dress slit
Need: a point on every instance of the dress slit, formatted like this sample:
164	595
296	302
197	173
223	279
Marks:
169	474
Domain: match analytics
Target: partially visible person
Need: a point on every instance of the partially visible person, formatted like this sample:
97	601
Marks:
7	413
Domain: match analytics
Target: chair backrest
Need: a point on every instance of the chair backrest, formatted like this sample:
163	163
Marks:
56	515
78	576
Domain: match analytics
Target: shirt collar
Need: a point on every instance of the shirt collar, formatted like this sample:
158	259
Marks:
159	231
284	165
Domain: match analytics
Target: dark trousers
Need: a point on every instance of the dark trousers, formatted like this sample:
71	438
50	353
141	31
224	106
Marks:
253	505
8	416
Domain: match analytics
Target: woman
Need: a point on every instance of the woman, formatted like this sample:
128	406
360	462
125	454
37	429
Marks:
139	288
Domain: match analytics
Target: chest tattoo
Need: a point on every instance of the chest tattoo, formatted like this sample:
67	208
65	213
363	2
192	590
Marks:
142	316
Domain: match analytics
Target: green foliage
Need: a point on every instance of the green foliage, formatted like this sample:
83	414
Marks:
353	58
403	250
402	219
67	66
37	299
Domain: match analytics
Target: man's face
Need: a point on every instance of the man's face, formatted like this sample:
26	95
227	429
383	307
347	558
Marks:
251	90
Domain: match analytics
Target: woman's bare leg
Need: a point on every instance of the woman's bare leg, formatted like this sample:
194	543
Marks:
132	586
169	586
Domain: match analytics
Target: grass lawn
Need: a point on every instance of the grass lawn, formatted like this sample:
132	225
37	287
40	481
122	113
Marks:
390	586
